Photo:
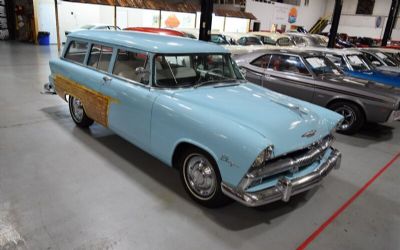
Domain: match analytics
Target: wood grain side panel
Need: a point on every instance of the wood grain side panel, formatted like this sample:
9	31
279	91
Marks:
95	104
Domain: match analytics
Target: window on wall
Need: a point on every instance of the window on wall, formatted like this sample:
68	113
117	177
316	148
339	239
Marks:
365	7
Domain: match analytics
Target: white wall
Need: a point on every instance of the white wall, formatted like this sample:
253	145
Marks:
307	15
363	25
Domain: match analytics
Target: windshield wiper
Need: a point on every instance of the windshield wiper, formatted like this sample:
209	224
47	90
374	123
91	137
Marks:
215	81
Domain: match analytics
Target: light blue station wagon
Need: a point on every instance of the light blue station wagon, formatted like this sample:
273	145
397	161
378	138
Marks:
186	103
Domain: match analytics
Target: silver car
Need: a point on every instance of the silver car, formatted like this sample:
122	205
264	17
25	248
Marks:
383	59
312	77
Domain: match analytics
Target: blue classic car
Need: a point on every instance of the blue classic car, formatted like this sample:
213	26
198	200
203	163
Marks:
186	103
355	64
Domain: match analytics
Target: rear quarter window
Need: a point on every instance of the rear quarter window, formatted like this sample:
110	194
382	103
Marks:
76	51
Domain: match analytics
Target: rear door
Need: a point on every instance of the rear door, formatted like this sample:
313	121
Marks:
288	75
129	113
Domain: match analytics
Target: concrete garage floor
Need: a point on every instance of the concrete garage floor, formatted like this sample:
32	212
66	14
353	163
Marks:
62	187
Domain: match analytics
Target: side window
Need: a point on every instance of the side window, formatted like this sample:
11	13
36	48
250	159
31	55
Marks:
262	61
132	66
337	60
375	61
268	40
100	57
287	63
284	41
242	41
76	51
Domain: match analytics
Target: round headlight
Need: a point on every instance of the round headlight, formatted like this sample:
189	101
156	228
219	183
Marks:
265	155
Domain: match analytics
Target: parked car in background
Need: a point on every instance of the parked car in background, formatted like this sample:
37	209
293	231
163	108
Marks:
355	64
382	59
274	39
310	76
186	103
94	27
307	40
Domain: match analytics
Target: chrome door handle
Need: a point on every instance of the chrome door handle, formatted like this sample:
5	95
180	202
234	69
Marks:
107	79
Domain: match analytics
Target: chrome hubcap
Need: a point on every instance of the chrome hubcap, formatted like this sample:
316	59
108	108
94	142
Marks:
349	117
77	109
200	176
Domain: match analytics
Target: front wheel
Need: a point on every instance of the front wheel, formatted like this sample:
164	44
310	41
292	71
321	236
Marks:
201	179
354	117
78	113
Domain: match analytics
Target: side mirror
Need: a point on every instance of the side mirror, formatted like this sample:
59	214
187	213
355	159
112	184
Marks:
243	71
141	71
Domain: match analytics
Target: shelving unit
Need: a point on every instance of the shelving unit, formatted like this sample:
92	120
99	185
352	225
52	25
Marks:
3	21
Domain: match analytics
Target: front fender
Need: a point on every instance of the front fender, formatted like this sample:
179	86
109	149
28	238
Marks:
233	146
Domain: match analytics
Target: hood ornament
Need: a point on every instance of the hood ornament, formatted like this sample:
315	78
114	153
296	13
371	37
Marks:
310	133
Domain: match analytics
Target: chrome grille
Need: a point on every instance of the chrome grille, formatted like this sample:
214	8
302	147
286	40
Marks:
289	162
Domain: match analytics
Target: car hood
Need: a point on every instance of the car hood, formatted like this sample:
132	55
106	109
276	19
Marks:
281	120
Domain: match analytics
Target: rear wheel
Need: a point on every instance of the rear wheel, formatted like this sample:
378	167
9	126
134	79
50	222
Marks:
201	178
354	117
78	113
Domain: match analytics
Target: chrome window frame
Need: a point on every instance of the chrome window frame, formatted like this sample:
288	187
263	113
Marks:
311	73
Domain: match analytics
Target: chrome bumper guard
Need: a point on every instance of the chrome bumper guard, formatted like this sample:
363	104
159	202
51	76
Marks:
285	188
48	89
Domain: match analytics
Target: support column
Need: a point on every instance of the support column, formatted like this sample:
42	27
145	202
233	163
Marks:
391	21
115	17
335	23
206	20
57	27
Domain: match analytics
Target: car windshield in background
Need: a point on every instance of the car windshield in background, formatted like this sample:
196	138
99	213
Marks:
322	66
315	41
172	71
267	40
358	63
219	39
87	27
388	59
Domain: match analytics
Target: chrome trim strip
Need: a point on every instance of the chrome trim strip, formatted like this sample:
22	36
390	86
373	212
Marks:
285	188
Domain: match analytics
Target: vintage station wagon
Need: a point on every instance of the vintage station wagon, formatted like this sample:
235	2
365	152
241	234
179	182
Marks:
186	103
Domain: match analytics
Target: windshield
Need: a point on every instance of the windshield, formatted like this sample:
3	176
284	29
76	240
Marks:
172	71
358	63
87	27
219	39
315	41
321	65
267	40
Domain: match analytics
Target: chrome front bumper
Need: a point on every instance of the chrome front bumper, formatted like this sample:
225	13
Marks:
285	188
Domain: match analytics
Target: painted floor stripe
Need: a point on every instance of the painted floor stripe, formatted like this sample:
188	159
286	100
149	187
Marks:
317	232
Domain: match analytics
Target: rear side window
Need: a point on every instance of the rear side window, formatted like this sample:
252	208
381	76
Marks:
131	65
100	57
76	51
287	63
262	61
